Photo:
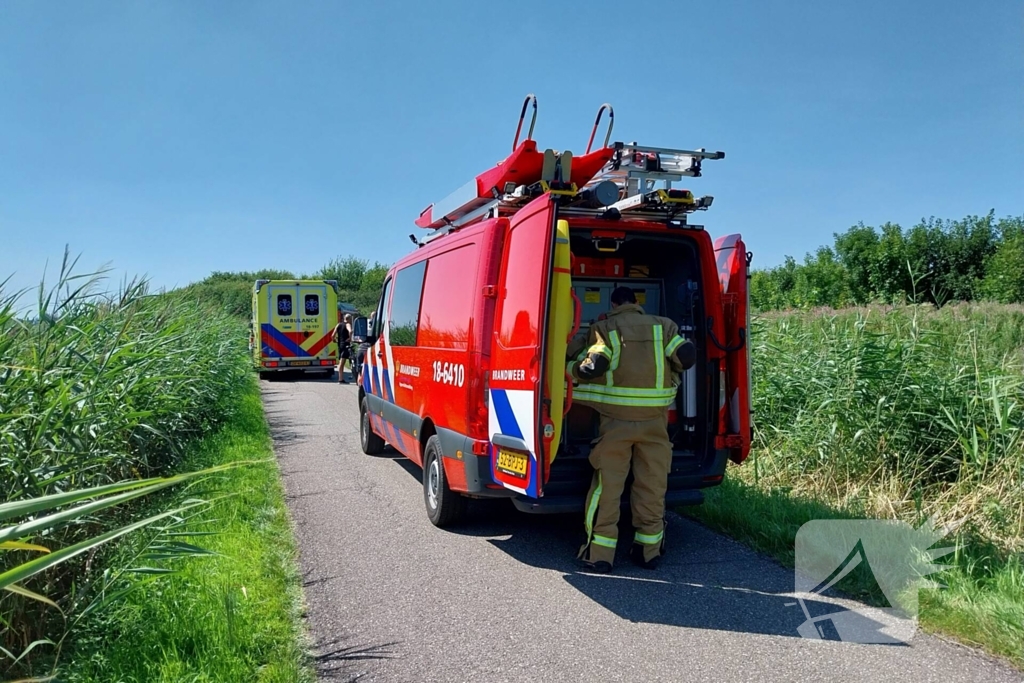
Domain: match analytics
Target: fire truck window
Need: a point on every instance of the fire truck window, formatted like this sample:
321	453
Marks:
521	304
312	304
382	307
403	321
448	300
284	304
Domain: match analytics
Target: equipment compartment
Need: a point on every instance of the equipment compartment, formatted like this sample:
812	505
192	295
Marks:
664	273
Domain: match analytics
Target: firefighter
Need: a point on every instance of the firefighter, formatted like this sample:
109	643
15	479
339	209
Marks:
628	373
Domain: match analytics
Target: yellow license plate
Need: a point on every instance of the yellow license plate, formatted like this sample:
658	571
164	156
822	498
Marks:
512	463
299	362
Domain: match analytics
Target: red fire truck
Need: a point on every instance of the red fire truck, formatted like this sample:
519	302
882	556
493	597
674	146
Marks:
465	373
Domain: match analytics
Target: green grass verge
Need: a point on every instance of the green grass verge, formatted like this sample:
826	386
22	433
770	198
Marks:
234	616
982	603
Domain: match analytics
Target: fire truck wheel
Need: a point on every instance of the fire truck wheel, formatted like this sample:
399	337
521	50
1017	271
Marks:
444	506
371	443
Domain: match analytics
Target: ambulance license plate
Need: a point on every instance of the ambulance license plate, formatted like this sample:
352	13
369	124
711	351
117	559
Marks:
512	463
299	362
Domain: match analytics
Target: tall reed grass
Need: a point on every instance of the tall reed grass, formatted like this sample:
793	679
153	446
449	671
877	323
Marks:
99	392
896	412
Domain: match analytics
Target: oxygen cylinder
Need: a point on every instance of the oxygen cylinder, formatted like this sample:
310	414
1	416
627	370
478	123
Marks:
688	391
689	386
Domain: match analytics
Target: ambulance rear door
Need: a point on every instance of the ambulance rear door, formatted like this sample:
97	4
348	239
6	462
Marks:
318	316
517	425
299	326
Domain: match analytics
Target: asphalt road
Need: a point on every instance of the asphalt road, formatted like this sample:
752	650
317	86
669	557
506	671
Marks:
391	598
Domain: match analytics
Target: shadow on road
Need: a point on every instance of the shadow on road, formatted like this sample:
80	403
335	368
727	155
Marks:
283	429
705	581
335	660
303	376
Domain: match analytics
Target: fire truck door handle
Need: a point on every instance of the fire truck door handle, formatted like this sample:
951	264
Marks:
728	349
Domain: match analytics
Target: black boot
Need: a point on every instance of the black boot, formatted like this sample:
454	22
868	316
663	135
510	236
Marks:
596	566
599	567
636	553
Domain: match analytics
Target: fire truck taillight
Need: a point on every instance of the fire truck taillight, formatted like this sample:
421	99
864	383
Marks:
478	419
270	363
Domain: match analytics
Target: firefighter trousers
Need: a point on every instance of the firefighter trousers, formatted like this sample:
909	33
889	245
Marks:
646	444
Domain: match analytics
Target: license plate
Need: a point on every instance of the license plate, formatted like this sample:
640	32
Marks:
512	463
299	362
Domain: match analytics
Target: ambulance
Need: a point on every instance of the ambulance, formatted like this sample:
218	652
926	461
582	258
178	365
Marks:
292	326
465	373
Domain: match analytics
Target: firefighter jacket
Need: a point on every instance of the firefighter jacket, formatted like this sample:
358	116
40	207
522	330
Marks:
643	370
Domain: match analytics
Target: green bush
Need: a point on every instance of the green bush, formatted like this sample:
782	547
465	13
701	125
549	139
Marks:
1004	277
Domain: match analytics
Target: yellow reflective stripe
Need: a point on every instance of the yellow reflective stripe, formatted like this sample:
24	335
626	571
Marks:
613	337
604	541
673	345
663	392
659	356
568	368
592	507
626	402
594	397
601	349
609	377
649	539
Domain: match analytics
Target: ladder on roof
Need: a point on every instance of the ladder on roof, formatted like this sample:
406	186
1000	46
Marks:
614	179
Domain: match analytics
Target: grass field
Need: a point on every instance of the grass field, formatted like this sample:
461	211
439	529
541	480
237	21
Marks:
113	408
894	413
232	616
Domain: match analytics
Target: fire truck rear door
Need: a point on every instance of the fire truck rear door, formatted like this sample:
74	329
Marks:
515	416
731	257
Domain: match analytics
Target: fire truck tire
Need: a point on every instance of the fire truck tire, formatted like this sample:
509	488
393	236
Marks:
371	443
444	506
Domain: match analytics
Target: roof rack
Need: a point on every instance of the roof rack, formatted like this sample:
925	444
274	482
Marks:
636	171
614	180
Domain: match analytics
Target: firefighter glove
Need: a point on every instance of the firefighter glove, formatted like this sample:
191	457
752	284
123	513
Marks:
687	354
594	365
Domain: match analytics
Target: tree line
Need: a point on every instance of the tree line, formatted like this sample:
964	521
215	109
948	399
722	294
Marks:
936	261
359	284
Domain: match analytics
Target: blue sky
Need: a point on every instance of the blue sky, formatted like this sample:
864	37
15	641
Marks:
177	138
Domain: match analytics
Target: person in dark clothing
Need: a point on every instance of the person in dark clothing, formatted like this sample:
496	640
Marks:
343	338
